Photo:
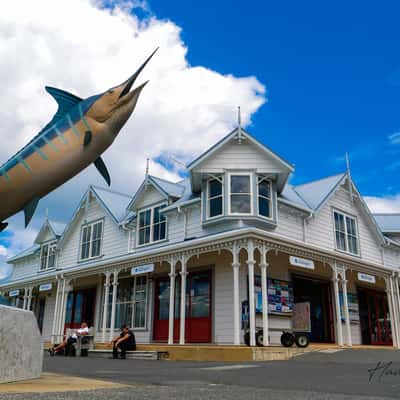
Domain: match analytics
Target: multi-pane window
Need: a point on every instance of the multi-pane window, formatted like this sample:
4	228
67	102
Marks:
215	197
131	303
346	233
91	240
152	225
264	197
48	256
240	194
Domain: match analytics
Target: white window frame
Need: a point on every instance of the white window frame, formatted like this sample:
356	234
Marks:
133	302
250	175
131	240
264	178
50	246
346	215
151	225
221	178
91	224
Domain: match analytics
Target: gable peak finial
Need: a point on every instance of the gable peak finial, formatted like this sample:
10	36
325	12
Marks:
147	167
47	213
239	137
347	163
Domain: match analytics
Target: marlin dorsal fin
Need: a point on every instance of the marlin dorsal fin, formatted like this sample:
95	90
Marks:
65	101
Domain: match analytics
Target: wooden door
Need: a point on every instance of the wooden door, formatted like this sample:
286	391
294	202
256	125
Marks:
379	319
80	308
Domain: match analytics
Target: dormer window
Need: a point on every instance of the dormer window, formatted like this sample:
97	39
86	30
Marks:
264	197
91	240
152	225
215	197
346	233
48	256
240	194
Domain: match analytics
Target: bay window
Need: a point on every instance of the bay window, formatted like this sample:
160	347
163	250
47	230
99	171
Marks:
48	256
91	240
240	199
215	197
346	234
152	225
264	197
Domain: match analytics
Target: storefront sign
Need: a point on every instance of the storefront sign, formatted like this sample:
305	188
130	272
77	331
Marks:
14	293
45	287
366	278
142	269
301	262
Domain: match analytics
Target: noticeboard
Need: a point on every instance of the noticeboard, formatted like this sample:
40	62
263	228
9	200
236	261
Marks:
280	295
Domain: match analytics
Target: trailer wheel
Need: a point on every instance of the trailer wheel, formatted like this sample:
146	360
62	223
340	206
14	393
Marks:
287	339
302	340
260	338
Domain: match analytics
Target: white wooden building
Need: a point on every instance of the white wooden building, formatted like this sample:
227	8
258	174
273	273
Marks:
198	260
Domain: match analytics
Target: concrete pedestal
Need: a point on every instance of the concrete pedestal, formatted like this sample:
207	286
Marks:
21	348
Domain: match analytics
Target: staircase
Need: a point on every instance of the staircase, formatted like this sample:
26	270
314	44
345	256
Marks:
131	355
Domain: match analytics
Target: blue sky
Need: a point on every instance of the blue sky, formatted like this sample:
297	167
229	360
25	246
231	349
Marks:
332	72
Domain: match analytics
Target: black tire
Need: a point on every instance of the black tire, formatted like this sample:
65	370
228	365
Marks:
247	338
302	340
287	339
260	338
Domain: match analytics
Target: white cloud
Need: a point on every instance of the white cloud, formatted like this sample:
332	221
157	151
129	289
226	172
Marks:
389	204
80	46
3	251
394	138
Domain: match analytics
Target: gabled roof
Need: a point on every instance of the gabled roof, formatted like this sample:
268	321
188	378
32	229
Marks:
246	135
187	196
113	203
389	223
166	188
315	194
25	253
55	227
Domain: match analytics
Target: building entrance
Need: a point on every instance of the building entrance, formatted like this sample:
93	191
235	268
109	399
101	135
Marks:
80	308
374	317
319	294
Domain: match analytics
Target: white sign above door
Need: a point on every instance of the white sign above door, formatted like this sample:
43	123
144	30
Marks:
301	262
366	278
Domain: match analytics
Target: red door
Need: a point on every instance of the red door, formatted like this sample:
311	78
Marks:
379	319
198	308
80	308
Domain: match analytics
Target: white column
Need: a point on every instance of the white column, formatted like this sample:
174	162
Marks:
114	302
29	301
171	303
393	324
339	332
236	299
56	307
60	312
252	311
67	288
25	298
346	311
105	305
264	294
183	274
397	301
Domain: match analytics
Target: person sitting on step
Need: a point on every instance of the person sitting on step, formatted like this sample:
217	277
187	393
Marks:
125	341
82	331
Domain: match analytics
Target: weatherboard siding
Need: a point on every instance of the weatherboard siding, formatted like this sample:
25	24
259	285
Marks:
148	197
114	243
320	230
239	156
289	224
26	267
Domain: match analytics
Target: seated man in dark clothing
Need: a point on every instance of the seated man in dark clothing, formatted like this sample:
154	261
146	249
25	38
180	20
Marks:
125	341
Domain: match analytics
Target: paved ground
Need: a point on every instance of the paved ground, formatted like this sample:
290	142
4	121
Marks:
346	374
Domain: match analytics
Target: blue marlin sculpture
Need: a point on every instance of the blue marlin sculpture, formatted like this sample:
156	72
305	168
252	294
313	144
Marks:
80	131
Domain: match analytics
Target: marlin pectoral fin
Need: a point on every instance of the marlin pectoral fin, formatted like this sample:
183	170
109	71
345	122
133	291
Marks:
29	210
87	139
3	225
99	163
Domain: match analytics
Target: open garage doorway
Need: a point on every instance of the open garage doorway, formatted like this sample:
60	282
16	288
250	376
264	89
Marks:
319	294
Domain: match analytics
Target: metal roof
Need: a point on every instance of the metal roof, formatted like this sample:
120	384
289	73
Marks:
389	223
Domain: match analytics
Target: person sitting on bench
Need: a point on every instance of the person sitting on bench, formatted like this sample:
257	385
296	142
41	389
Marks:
82	331
125	341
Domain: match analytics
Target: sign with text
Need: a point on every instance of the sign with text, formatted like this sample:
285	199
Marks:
142	269
45	287
366	278
14	293
301	262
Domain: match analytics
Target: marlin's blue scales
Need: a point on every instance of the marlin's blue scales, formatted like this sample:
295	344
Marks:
80	131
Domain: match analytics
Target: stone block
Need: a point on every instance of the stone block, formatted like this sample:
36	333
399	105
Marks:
21	347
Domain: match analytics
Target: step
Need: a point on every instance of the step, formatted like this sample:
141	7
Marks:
131	355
